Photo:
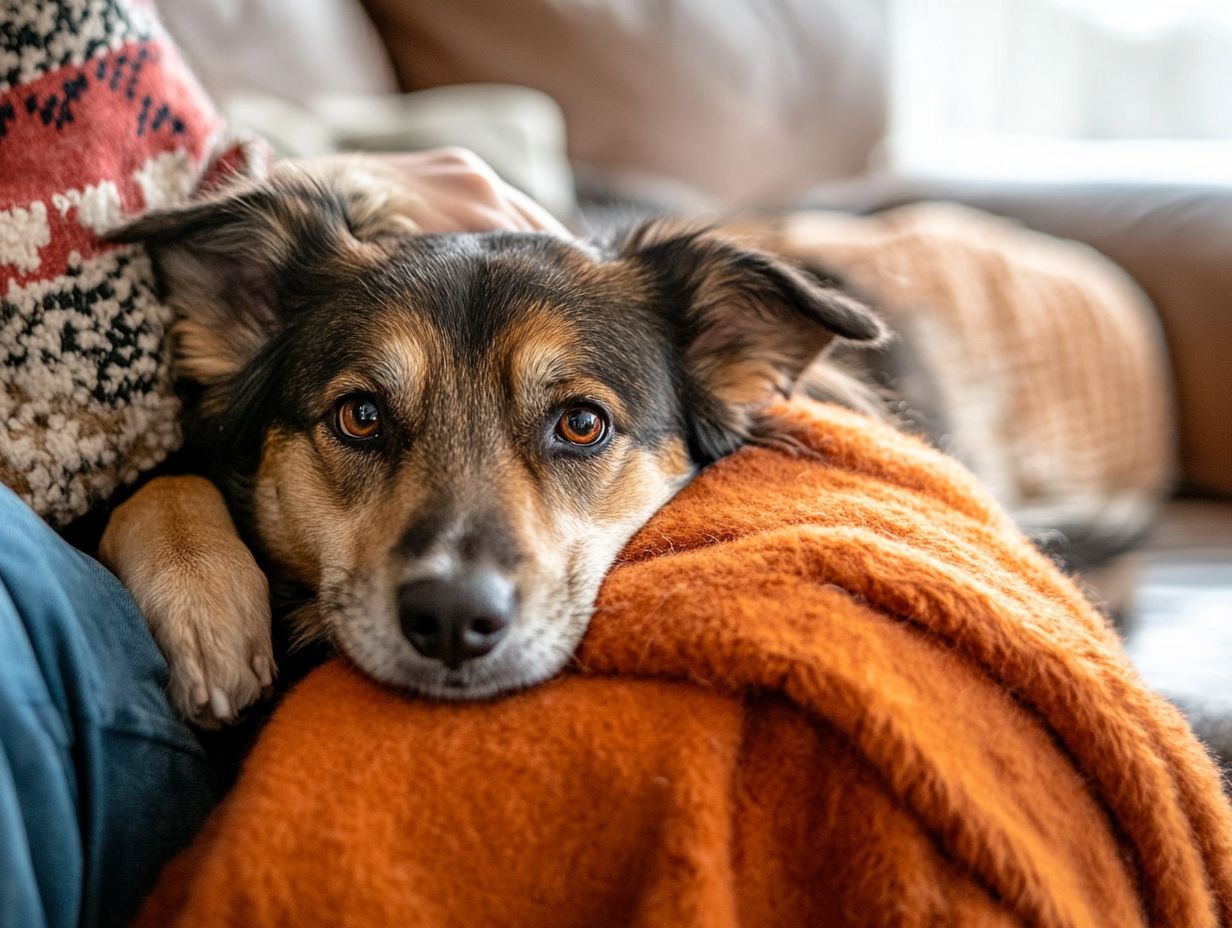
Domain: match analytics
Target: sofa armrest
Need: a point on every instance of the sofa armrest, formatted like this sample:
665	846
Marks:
1175	240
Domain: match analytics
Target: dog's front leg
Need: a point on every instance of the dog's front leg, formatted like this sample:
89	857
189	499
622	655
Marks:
175	547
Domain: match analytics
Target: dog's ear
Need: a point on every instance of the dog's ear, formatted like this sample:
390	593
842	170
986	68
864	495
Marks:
230	263
748	325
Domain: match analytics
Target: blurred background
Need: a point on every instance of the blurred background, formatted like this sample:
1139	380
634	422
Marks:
1098	89
1088	384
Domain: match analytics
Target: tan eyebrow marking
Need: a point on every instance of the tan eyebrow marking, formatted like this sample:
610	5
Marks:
543	360
539	349
401	364
394	364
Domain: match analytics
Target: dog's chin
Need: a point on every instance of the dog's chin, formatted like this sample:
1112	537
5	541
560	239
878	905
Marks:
511	667
477	682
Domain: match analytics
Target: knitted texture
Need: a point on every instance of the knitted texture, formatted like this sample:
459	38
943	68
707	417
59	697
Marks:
99	119
1050	359
829	684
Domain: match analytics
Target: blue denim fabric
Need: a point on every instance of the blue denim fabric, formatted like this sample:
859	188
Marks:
99	783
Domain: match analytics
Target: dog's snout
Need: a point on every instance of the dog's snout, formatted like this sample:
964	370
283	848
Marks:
456	619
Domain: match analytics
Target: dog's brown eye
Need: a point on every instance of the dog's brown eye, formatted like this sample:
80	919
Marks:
581	425
358	418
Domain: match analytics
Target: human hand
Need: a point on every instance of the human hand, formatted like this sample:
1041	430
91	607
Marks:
454	190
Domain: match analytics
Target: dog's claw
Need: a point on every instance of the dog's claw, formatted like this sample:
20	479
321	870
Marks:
261	667
219	704
200	695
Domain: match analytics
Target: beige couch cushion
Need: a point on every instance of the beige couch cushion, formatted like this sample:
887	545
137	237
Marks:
297	49
745	101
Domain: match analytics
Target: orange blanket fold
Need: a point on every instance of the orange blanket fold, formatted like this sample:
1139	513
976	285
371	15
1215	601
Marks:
827	685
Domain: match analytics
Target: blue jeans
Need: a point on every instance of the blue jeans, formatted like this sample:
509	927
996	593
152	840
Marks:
99	783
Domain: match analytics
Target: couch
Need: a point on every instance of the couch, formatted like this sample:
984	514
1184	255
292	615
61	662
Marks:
648	96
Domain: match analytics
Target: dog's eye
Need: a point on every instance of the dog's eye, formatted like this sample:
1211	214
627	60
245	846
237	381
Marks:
582	425
357	418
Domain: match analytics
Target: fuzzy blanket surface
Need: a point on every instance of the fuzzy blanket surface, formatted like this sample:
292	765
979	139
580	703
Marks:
828	684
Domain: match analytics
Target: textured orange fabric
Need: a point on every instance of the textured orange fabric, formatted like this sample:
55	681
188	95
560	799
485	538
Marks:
828	685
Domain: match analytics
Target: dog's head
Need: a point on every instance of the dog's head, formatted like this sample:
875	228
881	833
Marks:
447	439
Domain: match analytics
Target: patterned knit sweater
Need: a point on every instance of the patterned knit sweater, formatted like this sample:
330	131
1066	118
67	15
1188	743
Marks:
99	120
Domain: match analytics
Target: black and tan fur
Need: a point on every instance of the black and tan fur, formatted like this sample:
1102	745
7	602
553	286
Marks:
314	287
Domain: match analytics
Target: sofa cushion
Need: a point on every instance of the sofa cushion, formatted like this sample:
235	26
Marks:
746	101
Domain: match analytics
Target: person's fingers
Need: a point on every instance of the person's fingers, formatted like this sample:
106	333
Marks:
480	217
468	174
457	191
431	220
539	219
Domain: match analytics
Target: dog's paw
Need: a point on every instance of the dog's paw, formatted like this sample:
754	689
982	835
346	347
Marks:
214	630
218	650
204	598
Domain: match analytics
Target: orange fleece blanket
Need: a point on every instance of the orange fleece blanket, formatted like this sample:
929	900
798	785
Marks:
830	684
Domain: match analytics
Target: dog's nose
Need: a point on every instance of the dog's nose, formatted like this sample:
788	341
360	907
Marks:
455	619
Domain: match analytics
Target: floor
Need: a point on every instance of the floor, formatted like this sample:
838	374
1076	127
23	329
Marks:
1173	598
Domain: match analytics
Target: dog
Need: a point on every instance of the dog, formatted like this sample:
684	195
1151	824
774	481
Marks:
433	447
